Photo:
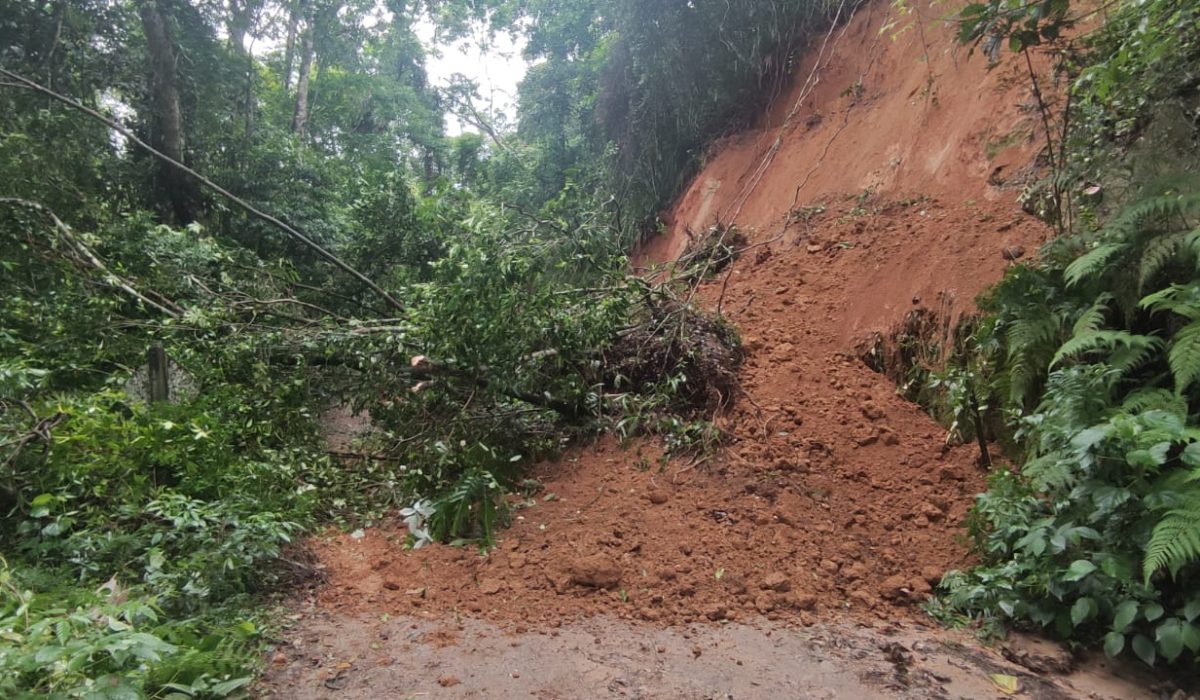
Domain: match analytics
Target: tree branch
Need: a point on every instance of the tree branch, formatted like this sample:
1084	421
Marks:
167	307
249	208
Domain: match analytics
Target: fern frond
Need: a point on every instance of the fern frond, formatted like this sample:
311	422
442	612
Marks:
1175	542
1091	263
1051	472
1157	253
1178	298
1030	332
1021	378
1192	243
1129	359
1092	319
1154	399
1184	356
1171	203
1103	340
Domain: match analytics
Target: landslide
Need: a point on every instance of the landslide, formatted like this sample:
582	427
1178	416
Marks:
885	179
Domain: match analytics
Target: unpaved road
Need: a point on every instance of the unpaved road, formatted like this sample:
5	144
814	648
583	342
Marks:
358	658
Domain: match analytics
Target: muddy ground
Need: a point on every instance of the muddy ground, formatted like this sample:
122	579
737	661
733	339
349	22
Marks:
359	657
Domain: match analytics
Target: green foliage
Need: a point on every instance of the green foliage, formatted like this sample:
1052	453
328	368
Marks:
1096	538
72	642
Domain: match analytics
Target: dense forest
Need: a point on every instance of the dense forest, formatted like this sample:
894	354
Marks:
267	191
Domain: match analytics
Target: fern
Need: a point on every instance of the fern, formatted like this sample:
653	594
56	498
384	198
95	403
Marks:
1178	299
1092	319
1104	340
1091	263
1175	542
1153	399
1157	254
1184	356
1031	332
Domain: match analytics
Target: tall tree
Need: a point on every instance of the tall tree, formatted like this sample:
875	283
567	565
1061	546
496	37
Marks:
300	115
167	133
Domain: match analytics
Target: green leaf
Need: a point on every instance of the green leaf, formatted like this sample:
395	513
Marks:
1192	610
1191	454
227	687
1144	648
1114	643
1190	634
1153	611
1124	615
1170	639
1079	569
1081	611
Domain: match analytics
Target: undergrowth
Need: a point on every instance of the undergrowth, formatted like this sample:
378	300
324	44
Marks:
1092	357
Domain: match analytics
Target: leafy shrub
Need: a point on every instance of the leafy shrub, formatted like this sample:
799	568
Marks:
113	643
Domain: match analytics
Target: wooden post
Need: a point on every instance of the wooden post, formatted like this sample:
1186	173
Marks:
160	381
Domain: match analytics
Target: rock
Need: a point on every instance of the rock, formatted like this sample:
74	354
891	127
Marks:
932	513
932	575
783	352
862	598
448	681
829	566
894	588
657	497
867	440
516	561
649	614
803	601
391	585
1038	655
716	612
596	571
776	582
871	411
734	584
855	572
764	603
919	589
1012	252
490	586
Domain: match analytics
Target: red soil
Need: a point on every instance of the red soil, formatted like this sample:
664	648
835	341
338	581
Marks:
833	494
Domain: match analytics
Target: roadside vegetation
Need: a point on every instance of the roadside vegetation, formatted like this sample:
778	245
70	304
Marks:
1089	357
327	244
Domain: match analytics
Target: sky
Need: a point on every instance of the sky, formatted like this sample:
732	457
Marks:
497	71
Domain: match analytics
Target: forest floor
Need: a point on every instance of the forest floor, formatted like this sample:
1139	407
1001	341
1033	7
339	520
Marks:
883	180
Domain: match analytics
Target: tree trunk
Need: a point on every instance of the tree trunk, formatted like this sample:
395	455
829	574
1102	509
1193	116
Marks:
300	117
289	54
167	132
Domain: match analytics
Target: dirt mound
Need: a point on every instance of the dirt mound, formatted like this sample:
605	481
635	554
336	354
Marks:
833	495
